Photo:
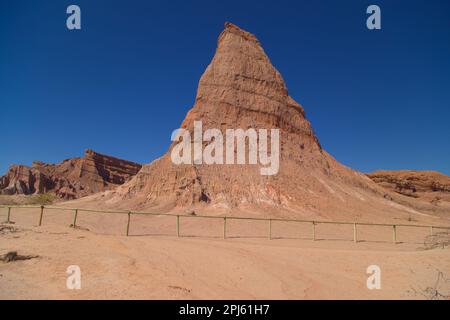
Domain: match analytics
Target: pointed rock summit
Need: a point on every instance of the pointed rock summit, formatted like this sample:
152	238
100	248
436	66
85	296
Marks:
242	89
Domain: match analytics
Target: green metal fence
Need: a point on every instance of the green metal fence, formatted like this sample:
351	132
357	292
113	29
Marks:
313	223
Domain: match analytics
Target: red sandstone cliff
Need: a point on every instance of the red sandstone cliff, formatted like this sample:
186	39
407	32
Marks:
429	186
72	178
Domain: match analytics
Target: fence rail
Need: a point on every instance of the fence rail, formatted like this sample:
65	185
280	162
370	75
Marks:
313	223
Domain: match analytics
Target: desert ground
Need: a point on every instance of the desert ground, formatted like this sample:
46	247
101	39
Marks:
153	263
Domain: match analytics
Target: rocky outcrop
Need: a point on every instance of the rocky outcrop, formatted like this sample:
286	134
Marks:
72	178
427	185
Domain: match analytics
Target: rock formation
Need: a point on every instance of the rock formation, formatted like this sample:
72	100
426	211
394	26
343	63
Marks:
242	89
72	178
426	185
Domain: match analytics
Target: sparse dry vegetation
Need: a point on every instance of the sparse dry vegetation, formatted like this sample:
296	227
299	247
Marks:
438	240
38	199
43	199
439	291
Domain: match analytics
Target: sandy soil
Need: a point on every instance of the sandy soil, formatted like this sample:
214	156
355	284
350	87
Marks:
152	263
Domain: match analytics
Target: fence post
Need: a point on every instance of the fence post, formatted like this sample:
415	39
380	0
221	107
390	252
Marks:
394	234
128	223
9	215
75	218
431	230
270	229
178	225
314	231
225	227
355	239
42	213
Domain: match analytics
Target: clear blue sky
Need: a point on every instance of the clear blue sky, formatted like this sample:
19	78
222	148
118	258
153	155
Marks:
376	99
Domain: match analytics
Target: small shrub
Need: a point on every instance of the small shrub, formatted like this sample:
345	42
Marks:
438	240
43	199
